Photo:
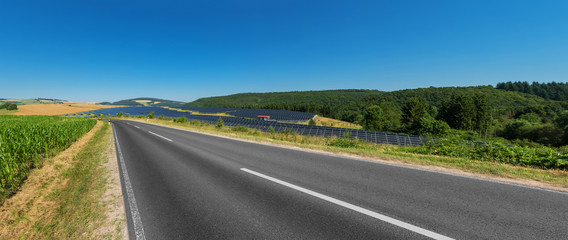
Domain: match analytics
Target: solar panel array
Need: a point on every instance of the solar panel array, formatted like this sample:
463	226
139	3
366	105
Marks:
306	130
278	115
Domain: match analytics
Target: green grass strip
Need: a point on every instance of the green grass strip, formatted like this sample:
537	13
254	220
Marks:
81	211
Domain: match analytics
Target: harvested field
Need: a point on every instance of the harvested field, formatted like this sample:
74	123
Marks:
56	109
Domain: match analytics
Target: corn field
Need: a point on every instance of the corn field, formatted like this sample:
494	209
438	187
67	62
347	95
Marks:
26	140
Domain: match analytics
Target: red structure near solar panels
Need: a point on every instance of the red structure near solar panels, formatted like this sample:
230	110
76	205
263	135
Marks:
263	117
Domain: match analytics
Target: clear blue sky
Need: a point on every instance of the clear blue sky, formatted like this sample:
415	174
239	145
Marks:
108	50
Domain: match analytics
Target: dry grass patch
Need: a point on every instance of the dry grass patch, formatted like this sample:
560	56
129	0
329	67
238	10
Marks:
330	122
57	109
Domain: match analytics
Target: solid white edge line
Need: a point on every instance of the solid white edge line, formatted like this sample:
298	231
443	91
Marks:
367	212
161	136
136	220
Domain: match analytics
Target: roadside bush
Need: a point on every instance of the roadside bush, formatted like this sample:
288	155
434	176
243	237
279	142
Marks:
120	114
345	141
542	157
220	123
180	119
151	115
240	129
285	132
161	117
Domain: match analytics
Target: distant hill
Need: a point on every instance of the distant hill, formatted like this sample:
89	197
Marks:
327	97
144	101
34	101
348	104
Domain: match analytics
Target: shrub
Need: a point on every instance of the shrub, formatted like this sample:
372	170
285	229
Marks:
541	157
180	119
120	114
161	117
345	141
240	129
151	115
220	123
311	122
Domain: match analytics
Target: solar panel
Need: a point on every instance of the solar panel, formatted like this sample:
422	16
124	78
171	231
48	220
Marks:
307	130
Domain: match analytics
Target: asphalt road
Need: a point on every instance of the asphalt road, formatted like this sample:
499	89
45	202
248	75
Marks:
183	185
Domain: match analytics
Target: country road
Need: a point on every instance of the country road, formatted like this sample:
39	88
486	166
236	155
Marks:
184	185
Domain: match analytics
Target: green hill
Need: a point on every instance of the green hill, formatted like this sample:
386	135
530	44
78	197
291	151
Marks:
472	112
345	104
144	101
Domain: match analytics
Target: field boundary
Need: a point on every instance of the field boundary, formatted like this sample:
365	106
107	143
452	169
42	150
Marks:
63	200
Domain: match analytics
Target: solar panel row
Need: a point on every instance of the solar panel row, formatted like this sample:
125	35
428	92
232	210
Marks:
306	130
279	115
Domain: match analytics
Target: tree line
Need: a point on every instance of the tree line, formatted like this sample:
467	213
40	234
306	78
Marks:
552	90
474	113
9	106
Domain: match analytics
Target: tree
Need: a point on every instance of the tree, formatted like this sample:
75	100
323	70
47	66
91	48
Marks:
9	106
482	117
392	114
151	115
562	122
458	111
414	109
428	126
516	129
531	117
374	119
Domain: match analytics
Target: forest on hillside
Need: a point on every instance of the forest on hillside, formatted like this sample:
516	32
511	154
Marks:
524	113
553	90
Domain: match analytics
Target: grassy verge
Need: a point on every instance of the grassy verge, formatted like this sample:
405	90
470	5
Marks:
555	179
80	212
69	205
